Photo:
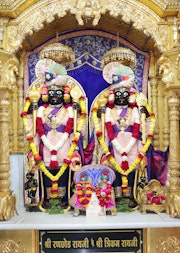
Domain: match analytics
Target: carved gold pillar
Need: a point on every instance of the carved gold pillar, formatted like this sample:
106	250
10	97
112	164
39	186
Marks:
153	96
7	81
11	128
166	132
154	104
20	139
7	200
169	70
174	160
20	104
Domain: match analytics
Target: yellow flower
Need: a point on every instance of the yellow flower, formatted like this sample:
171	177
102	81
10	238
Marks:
106	150
54	195
54	186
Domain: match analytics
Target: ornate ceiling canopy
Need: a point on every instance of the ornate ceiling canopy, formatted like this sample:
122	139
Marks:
139	21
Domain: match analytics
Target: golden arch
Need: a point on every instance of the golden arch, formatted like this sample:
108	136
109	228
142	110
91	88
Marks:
42	13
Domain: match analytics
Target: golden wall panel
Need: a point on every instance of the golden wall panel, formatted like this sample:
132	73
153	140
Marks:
19	241
163	240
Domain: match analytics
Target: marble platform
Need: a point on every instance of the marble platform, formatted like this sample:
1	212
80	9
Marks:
40	220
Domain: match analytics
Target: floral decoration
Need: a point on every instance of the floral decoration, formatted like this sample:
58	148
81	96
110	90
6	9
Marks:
84	193
38	158
127	169
104	195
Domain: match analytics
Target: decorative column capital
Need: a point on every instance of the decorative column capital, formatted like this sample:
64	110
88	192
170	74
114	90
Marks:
169	68
8	69
173	100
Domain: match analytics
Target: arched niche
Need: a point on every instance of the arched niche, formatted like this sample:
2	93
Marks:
133	21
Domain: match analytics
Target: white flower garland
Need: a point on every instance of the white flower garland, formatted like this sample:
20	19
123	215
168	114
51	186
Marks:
115	142
64	137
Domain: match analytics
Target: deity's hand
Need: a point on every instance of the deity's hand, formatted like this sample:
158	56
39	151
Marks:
32	107
144	110
77	107
100	111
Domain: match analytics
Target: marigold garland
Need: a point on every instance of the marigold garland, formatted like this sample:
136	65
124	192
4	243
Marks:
37	157
124	173
84	193
104	198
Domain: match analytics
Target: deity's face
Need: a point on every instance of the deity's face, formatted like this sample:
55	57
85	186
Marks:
55	95
121	96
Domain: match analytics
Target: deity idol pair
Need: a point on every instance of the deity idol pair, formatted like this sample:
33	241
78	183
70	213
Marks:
56	126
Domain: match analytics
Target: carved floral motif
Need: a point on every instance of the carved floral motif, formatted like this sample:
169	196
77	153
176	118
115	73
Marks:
165	68
170	244
11	246
34	18
11	72
88	10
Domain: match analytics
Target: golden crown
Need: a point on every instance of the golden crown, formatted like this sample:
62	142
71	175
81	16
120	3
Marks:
59	53
119	54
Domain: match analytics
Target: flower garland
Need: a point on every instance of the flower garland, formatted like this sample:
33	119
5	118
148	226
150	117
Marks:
104	195
84	193
155	199
37	157
135	132
124	173
54	148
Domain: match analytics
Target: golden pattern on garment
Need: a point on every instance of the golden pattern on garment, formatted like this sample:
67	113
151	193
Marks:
122	122
53	121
